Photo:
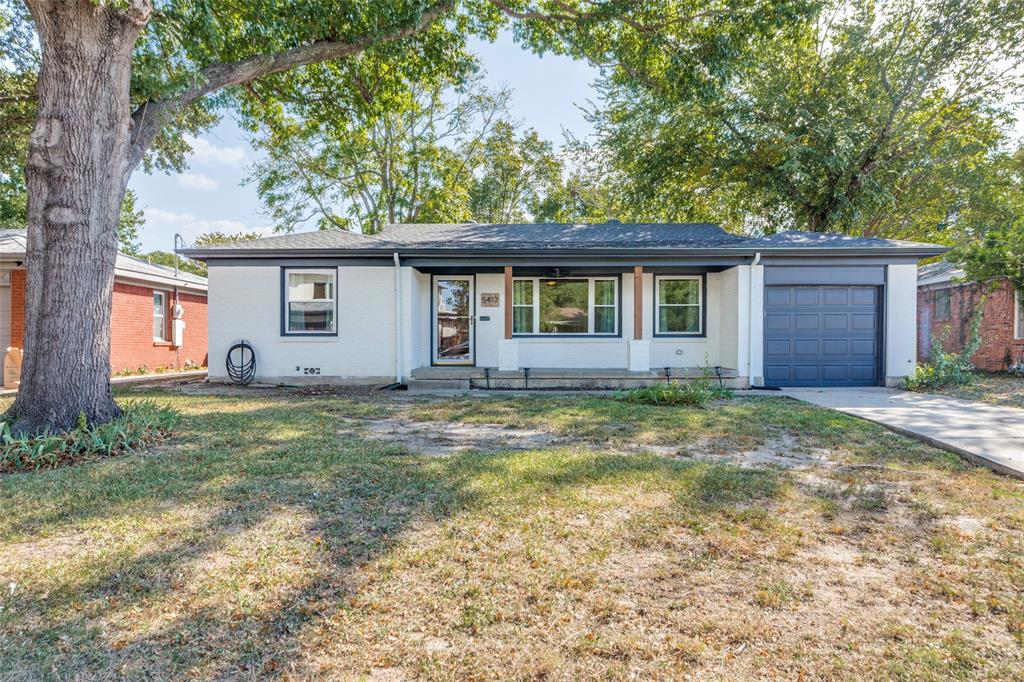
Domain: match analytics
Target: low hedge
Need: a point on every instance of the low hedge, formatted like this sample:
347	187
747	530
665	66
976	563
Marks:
141	422
698	393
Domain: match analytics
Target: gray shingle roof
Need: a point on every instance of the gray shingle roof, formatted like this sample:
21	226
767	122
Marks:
555	235
323	239
800	239
129	264
472	237
13	242
940	271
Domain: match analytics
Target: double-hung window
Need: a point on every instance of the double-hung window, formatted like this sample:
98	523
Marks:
942	309
679	305
576	306
159	315
310	302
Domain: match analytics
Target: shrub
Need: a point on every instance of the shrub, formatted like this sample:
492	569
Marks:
699	393
946	368
141	422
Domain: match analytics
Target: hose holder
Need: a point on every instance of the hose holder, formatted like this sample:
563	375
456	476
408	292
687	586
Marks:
241	363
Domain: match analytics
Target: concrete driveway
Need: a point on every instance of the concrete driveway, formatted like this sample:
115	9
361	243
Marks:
988	435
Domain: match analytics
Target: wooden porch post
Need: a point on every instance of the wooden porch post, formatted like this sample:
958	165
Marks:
638	302
508	301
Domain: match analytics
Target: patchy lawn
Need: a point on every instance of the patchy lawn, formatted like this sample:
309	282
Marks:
307	535
998	389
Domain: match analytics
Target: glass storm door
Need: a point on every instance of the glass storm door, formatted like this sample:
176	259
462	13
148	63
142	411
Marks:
453	320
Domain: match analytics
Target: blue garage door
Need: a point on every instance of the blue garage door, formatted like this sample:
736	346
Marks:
822	335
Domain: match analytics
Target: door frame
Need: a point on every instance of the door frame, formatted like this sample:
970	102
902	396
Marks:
471	361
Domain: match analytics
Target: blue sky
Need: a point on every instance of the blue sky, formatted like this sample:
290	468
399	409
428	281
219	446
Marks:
209	195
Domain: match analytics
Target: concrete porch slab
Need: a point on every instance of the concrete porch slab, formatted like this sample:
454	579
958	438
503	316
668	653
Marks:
988	435
456	377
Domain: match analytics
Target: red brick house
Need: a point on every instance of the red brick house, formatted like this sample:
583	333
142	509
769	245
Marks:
150	302
944	299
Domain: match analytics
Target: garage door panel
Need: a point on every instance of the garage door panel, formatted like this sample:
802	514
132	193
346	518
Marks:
864	296
822	335
777	323
835	372
804	347
777	297
835	347
774	374
864	322
835	322
836	297
806	372
862	373
806	297
776	348
805	323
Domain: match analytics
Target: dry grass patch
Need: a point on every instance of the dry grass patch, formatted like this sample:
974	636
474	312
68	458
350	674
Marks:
288	535
999	389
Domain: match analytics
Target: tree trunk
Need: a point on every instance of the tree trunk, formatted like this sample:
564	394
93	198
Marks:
76	177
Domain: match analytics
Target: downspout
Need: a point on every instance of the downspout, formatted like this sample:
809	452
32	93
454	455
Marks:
750	331
398	319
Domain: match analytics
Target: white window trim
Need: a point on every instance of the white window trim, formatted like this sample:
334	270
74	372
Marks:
658	279
163	315
535	331
1018	317
330	272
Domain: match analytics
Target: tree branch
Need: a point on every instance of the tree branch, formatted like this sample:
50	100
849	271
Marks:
150	117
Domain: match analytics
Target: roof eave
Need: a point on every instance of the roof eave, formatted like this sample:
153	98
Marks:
923	251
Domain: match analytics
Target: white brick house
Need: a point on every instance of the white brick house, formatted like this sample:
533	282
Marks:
562	304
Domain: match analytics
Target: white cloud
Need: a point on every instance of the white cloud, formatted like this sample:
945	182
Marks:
205	151
197	181
166	223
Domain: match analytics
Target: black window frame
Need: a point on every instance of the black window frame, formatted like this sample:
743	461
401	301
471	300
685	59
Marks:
703	333
285	270
616	277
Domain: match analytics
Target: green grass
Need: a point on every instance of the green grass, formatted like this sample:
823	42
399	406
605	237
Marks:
268	539
997	389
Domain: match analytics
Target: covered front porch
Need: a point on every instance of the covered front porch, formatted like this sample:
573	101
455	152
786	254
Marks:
578	325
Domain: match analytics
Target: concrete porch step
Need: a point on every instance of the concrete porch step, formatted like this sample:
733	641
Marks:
464	378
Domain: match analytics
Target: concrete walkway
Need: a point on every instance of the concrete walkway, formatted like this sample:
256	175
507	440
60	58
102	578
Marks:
988	435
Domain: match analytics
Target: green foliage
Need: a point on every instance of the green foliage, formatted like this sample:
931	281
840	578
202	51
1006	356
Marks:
141	422
401	152
996	249
166	258
698	393
519	178
947	368
867	118
217	238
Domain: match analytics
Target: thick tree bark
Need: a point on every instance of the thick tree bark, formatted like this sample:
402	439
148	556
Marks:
85	144
76	177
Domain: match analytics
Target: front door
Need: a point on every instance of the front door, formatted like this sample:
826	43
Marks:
453	320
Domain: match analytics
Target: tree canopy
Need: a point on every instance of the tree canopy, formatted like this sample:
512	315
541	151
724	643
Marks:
868	118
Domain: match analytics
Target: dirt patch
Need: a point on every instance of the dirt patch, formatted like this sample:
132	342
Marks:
447	438
440	438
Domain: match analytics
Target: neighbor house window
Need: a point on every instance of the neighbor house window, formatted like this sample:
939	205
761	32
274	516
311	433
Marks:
565	305
679	305
942	304
159	316
1019	319
310	301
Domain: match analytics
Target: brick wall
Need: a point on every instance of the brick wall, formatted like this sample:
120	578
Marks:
131	327
18	282
998	347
